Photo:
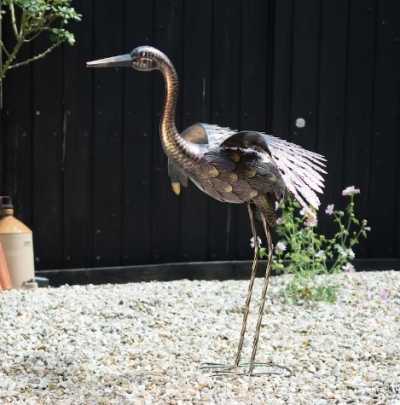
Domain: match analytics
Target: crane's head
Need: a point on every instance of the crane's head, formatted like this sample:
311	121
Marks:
144	58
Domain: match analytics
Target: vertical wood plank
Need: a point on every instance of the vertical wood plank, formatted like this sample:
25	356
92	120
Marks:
225	112
77	144
255	81
138	140
47	157
332	103
17	133
108	110
385	134
305	71
166	205
283	39
360	94
195	107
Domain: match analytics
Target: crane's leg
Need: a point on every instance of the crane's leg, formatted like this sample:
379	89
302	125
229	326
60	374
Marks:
263	295
251	284
236	369
248	299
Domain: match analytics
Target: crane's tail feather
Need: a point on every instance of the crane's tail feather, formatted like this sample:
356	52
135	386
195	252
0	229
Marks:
300	170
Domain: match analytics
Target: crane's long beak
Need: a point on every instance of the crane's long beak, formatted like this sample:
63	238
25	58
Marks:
114	61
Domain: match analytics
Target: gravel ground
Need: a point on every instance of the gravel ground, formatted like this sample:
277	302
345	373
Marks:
143	344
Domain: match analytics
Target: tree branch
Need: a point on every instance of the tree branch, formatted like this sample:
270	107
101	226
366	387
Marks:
12	56
34	36
45	24
14	22
22	26
3	47
40	56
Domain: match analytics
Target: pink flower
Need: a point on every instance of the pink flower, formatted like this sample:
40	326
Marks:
280	221
368	228
349	268
348	253
252	241
302	212
329	209
311	221
384	295
351	190
280	248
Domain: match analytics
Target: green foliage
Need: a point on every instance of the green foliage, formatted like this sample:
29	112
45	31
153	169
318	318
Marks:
308	251
29	19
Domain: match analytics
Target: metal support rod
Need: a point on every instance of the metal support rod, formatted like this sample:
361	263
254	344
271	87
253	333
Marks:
251	284
263	295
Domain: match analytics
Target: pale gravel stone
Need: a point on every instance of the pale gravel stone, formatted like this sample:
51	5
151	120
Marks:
142	344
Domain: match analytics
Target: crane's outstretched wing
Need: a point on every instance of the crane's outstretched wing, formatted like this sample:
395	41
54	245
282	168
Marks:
299	168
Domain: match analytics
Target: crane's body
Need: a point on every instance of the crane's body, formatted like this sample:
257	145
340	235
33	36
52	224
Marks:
230	166
228	173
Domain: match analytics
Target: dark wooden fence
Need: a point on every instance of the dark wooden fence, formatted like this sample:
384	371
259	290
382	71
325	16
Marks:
81	154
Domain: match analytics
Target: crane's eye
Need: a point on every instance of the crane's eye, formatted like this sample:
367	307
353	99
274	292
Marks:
143	61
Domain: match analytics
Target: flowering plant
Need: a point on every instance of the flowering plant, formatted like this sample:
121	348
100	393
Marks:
308	251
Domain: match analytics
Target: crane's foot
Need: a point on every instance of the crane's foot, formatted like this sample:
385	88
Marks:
243	369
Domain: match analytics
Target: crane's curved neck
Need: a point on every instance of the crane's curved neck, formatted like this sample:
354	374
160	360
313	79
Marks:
167	124
175	146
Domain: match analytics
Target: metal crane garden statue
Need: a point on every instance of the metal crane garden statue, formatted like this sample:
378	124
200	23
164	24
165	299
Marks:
235	167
